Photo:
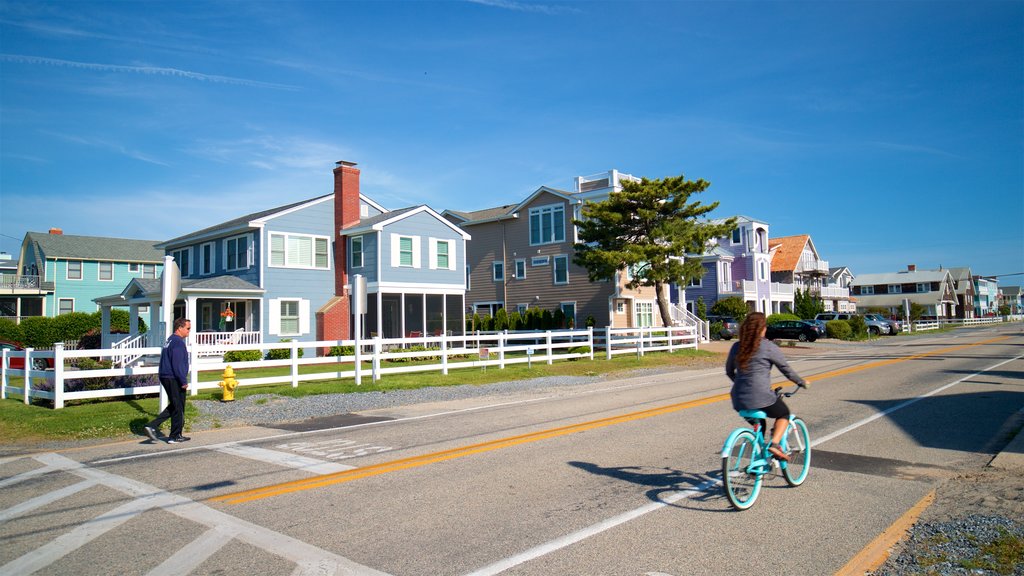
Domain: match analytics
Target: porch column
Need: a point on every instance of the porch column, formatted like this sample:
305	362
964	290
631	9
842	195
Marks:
155	331
190	313
133	319
105	338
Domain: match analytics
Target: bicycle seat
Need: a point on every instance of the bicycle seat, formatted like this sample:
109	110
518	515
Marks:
753	414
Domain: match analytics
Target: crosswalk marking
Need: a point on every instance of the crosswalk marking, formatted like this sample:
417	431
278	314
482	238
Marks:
287	459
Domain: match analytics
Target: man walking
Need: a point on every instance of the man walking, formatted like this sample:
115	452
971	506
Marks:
174	378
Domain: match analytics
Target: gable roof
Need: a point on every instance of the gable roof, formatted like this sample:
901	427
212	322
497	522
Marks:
72	247
379	221
904	277
482	216
787	251
242	222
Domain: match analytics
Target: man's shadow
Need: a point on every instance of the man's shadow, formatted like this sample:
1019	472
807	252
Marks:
667	485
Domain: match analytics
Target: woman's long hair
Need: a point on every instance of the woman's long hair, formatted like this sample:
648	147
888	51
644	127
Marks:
750	337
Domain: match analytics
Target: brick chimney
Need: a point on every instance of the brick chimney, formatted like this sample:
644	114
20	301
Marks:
911	267
56	231
346	215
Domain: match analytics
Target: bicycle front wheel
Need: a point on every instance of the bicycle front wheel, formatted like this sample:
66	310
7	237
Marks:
740	480
796	442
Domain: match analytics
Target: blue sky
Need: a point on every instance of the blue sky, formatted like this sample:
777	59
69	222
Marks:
891	132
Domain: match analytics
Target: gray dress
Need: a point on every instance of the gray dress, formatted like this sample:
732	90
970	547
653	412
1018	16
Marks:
752	388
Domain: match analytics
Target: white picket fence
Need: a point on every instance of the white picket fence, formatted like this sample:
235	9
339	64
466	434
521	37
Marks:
478	350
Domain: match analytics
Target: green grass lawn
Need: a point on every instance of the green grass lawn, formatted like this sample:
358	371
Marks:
118	418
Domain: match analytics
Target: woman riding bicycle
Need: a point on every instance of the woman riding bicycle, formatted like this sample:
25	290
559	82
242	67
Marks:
749	366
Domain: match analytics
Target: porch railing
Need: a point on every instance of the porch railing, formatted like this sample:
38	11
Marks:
132	346
212	343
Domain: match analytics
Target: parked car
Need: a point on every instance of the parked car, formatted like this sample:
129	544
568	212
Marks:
19	363
895	326
874	326
792	330
820	325
730	327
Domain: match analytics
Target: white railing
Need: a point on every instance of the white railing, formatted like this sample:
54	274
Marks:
213	343
374	358
746	287
131	346
683	317
12	282
781	290
834	292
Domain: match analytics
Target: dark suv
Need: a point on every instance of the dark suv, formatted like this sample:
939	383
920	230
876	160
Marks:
730	327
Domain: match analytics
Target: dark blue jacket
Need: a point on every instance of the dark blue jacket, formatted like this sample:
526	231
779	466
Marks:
174	360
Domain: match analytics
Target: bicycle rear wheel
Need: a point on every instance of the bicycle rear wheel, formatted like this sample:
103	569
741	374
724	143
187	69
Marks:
740	480
796	442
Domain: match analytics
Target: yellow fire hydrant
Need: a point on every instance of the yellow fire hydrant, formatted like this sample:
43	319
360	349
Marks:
228	384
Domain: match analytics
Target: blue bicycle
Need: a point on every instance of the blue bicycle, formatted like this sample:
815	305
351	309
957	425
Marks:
746	459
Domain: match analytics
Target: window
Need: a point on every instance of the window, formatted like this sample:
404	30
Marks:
539	261
182	258
867	290
289	317
237	253
149	270
620	306
522	308
644	312
923	287
65	305
299	251
569	309
106	271
737	236
561	269
469	278
206	258
357	252
695	282
520	269
895	289
405	251
74	271
498	271
441	254
763	270
547	224
134	268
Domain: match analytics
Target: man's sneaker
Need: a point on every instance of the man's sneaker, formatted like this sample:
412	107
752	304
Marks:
150	432
178	439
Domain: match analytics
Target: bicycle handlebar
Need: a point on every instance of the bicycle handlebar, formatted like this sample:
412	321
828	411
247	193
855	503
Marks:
780	393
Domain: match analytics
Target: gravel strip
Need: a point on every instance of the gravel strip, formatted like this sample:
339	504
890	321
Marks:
956	547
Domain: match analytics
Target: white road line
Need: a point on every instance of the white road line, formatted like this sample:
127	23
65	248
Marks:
40	501
580	535
25	476
190	556
309	558
286	459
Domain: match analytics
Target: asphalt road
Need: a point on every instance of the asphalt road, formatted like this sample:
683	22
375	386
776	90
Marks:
613	478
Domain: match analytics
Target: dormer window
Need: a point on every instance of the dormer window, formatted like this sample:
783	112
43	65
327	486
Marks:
737	236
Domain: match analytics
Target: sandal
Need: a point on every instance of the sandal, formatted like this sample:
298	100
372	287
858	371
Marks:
778	453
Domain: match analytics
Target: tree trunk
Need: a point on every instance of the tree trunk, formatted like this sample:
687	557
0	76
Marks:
666	314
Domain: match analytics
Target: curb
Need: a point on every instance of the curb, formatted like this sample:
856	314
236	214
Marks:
877	551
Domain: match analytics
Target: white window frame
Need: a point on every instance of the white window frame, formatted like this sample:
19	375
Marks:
232	266
469	278
357	253
736	237
895	289
520	270
183	256
67	270
554	269
288	238
396	251
435	253
923	287
99	271
867	290
149	267
498	271
275	309
562	305
133	267
696	282
61	301
207	265
643	313
546	212
540	261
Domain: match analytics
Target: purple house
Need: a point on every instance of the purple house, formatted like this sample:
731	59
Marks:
740	266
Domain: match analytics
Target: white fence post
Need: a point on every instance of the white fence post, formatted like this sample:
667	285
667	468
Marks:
608	343
28	376
502	342
3	374
58	376
294	345
444	352
590	340
376	358
551	358
358	366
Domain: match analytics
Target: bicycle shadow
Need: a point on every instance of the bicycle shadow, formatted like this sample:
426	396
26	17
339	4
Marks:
668	486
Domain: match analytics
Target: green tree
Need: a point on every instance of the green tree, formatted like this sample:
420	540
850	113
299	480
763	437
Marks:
648	229
806	305
732	306
916	311
501	320
702	308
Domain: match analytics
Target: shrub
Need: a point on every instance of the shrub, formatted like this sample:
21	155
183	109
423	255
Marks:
838	329
281	353
589	322
500	319
732	306
341	351
716	330
37	331
10	331
246	355
858	327
71	326
579	350
779	317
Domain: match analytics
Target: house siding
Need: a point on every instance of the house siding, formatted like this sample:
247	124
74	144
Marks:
424	227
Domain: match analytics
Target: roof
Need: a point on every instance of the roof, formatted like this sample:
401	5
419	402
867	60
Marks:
379	221
925	299
485	215
69	246
241	221
904	277
739	220
788	250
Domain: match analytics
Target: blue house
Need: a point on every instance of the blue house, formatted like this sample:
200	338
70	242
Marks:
283	273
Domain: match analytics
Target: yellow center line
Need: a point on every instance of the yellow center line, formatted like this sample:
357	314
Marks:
451	454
